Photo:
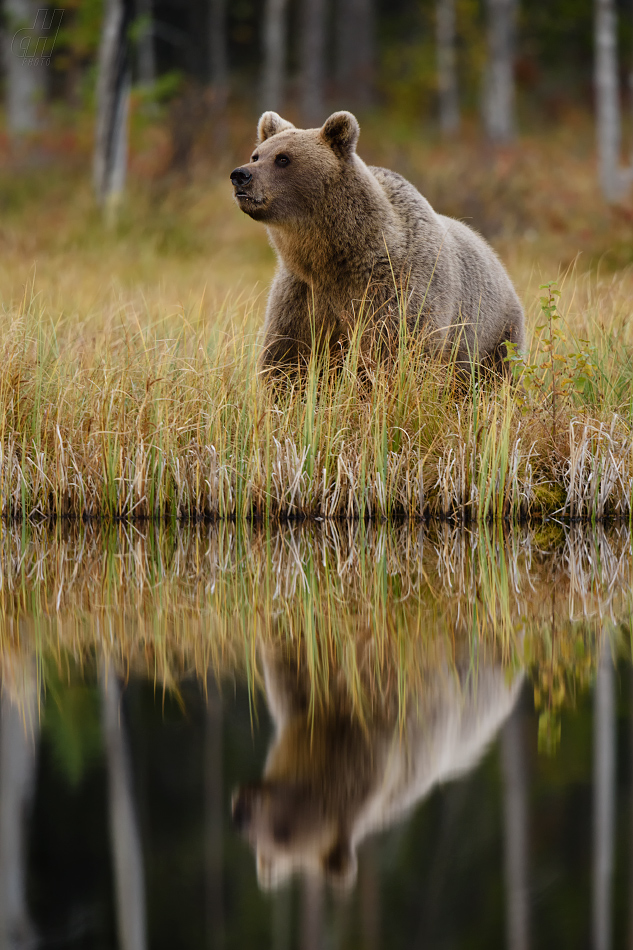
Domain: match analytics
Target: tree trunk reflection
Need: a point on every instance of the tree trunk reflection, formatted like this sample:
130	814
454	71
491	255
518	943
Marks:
604	798
515	833
129	883
213	777
19	735
312	913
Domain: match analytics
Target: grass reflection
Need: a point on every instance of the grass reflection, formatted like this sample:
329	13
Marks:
374	607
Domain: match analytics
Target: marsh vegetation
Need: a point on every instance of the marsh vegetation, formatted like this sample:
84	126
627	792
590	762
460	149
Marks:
129	388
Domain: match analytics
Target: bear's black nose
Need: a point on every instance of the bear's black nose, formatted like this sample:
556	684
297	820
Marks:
240	177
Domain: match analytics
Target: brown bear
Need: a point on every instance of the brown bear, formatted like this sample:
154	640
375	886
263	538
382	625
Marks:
331	781
359	243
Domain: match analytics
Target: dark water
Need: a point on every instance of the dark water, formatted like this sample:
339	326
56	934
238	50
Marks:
128	838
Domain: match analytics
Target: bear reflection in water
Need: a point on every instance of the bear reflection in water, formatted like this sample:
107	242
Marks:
330	781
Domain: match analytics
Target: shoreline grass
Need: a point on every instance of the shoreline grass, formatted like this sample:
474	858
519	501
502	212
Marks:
169	419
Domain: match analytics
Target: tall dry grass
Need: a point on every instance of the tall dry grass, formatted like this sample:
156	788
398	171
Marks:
128	381
168	418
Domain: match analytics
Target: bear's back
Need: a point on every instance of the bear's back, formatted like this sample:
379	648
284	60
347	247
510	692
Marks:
412	207
443	740
453	268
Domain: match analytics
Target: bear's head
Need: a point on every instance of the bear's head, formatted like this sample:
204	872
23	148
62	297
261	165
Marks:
286	825
291	170
301	817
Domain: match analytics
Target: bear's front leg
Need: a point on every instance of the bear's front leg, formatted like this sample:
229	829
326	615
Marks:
287	336
297	322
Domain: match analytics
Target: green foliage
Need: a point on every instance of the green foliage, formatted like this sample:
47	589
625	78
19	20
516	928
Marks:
72	725
549	732
164	89
139	28
560	369
408	68
79	33
409	77
562	662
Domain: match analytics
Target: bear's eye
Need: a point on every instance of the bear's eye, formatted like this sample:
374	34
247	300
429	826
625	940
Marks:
282	160
254	157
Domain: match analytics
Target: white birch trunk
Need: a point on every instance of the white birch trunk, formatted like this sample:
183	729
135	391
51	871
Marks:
19	735
498	106
129	878
603	798
24	63
613	180
273	79
447	67
313	61
113	93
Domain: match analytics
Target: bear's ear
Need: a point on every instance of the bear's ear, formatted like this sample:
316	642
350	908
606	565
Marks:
341	133
270	124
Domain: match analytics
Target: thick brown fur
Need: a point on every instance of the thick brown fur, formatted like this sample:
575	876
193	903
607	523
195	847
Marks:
330	780
358	243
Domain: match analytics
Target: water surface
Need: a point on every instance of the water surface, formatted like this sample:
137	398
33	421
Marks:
315	738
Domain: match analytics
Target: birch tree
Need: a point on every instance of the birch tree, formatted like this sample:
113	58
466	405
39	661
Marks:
447	67
113	94
312	61
273	79
613	180
498	104
24	61
355	51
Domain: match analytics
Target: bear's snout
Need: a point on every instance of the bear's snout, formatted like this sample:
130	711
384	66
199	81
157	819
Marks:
240	177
